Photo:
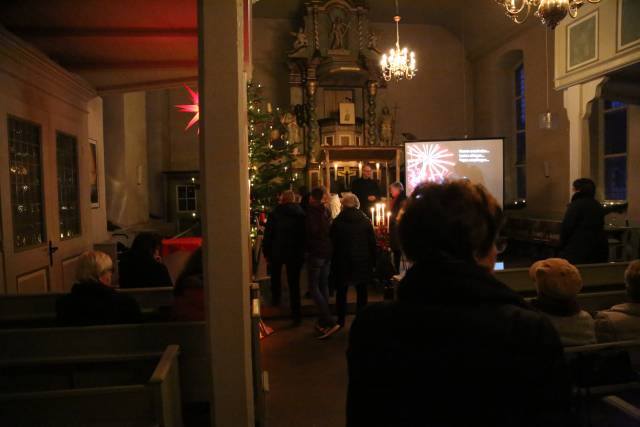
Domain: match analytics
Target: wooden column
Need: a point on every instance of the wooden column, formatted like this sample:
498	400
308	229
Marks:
225	209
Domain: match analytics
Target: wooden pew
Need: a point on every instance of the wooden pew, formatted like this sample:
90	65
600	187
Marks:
39	310
118	341
154	401
596	277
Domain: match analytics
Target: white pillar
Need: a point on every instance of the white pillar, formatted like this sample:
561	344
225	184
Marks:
225	208
576	102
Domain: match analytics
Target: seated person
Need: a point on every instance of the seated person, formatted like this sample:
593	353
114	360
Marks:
188	295
558	283
92	300
141	266
457	347
622	322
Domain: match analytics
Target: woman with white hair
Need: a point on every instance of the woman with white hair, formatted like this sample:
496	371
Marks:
354	253
92	300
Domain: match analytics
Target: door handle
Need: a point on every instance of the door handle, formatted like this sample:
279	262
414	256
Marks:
52	250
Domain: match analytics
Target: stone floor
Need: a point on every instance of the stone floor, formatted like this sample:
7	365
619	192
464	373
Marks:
307	377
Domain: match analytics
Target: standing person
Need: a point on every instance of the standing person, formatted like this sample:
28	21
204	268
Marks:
141	266
398	203
366	189
319	260
583	239
354	254
188	295
458	347
283	245
93	300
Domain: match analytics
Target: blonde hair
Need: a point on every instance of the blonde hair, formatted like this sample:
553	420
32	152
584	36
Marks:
632	280
92	265
350	201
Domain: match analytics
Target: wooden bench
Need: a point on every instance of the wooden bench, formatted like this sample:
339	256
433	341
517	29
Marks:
118	340
93	395
39	310
596	278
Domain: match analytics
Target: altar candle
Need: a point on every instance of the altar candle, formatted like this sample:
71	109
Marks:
388	222
373	216
335	171
378	171
360	169
383	206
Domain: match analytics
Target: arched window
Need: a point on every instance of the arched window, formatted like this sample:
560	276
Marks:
614	150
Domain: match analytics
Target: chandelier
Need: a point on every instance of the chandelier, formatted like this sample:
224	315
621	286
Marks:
400	63
550	12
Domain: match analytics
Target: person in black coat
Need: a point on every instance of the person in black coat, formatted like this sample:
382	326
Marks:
458	347
92	300
141	266
398	203
583	239
284	244
354	254
366	189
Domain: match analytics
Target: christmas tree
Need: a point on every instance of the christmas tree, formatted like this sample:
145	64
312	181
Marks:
271	156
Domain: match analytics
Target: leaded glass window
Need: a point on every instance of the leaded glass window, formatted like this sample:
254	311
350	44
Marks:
187	198
25	172
615	150
521	133
68	193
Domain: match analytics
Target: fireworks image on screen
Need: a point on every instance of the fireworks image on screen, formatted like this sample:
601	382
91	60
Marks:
428	162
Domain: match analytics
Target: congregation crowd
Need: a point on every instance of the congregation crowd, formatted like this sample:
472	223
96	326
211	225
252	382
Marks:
453	334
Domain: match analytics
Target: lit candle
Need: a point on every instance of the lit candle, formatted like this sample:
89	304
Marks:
373	216
382	205
269	108
388	222
335	171
378	171
360	169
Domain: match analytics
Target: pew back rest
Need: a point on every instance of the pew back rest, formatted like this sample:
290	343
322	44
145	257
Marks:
40	309
118	340
154	401
595	277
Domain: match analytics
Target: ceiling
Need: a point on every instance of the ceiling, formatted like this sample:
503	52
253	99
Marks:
120	45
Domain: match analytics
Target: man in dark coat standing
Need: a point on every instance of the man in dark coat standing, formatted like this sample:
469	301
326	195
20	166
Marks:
354	254
583	238
283	245
366	189
458	348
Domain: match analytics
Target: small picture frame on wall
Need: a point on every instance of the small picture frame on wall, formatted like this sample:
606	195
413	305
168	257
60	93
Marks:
628	24
347	113
582	41
93	174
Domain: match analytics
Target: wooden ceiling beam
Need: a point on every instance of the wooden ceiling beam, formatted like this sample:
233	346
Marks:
66	32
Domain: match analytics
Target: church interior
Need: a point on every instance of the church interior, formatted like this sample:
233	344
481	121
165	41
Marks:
192	123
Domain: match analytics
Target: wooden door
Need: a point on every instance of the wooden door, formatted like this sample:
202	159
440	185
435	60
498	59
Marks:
45	204
25	217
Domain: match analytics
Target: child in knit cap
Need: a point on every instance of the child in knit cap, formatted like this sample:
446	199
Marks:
622	322
558	283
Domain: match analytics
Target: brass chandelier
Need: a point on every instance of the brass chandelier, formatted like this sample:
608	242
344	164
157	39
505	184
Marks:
550	12
400	63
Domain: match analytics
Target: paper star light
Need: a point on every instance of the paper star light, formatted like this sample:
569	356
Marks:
191	108
428	162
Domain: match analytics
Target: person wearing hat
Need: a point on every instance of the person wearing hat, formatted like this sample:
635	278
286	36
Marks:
622	321
558	283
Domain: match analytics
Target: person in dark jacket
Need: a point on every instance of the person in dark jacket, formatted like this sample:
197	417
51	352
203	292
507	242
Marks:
283	245
583	239
141	266
93	301
398	204
366	189
354	254
188	295
458	347
319	260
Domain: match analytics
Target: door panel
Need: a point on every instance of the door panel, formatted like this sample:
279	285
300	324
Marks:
36	282
69	272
